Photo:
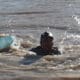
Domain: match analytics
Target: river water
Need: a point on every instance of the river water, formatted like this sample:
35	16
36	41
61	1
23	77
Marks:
27	19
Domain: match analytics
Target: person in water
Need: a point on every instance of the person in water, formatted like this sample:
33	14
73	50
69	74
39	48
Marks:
46	45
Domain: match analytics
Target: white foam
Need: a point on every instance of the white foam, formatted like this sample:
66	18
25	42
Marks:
16	43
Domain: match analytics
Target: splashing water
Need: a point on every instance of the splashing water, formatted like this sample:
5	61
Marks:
10	23
70	42
77	19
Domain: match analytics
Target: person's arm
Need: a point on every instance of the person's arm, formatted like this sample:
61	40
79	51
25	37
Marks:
56	51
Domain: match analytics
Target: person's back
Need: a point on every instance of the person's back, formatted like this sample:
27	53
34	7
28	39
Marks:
46	45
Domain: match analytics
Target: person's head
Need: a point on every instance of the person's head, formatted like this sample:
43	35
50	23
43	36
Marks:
46	40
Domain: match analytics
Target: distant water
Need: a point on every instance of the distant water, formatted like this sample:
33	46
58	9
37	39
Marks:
28	19
64	13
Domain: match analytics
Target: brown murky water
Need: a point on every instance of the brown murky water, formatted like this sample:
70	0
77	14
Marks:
27	19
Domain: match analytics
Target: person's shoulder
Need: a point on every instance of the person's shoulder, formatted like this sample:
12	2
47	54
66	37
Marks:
35	48
56	51
55	48
38	50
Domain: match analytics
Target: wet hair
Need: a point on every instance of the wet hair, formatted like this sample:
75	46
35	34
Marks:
45	36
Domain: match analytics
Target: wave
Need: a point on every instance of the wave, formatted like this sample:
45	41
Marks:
21	13
35	26
39	26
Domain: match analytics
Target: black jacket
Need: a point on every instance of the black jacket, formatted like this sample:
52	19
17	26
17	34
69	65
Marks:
40	51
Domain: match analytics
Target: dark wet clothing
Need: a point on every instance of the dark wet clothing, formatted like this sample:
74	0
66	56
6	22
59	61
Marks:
40	51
